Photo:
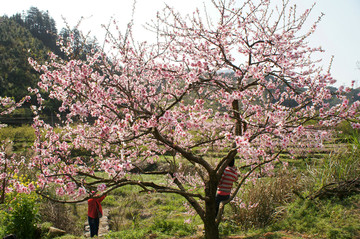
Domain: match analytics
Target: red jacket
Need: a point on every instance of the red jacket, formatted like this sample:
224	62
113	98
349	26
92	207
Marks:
94	203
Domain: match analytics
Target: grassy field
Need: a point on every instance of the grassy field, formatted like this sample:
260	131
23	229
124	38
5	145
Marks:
283	208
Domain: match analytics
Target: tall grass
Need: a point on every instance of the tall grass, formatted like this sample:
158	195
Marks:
332	216
261	203
340	165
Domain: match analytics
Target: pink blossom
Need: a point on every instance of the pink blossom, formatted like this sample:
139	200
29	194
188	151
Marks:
181	100
101	187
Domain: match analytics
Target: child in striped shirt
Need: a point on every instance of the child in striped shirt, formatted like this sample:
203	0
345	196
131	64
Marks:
225	184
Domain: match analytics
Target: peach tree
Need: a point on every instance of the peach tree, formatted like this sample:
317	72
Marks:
242	83
10	162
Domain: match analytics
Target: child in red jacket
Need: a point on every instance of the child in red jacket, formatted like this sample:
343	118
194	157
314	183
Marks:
94	214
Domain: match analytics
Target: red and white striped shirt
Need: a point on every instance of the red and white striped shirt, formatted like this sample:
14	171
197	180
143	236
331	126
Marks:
227	179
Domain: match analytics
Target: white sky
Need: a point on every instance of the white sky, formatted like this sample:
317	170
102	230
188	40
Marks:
337	33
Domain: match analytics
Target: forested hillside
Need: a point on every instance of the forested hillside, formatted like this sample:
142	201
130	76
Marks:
17	43
31	34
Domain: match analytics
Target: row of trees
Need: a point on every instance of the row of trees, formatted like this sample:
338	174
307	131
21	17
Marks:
40	25
146	100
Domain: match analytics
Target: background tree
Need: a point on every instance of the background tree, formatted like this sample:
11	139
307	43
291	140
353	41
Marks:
81	45
16	45
169	103
42	27
23	36
10	164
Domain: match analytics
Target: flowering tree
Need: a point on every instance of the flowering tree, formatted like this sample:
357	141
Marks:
9	164
242	84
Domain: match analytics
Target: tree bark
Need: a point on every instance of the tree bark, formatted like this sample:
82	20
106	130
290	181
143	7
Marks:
211	229
210	225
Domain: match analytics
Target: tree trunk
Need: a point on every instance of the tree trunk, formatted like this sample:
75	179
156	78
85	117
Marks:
211	228
210	225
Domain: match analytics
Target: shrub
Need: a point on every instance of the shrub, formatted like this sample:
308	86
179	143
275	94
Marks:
345	131
261	202
228	227
335	168
62	216
22	215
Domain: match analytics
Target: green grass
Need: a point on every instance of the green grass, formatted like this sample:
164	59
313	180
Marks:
134	215
172	227
144	215
331	218
128	234
22	137
162	227
24	133
110	201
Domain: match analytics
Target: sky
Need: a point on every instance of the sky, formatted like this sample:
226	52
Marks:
338	32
